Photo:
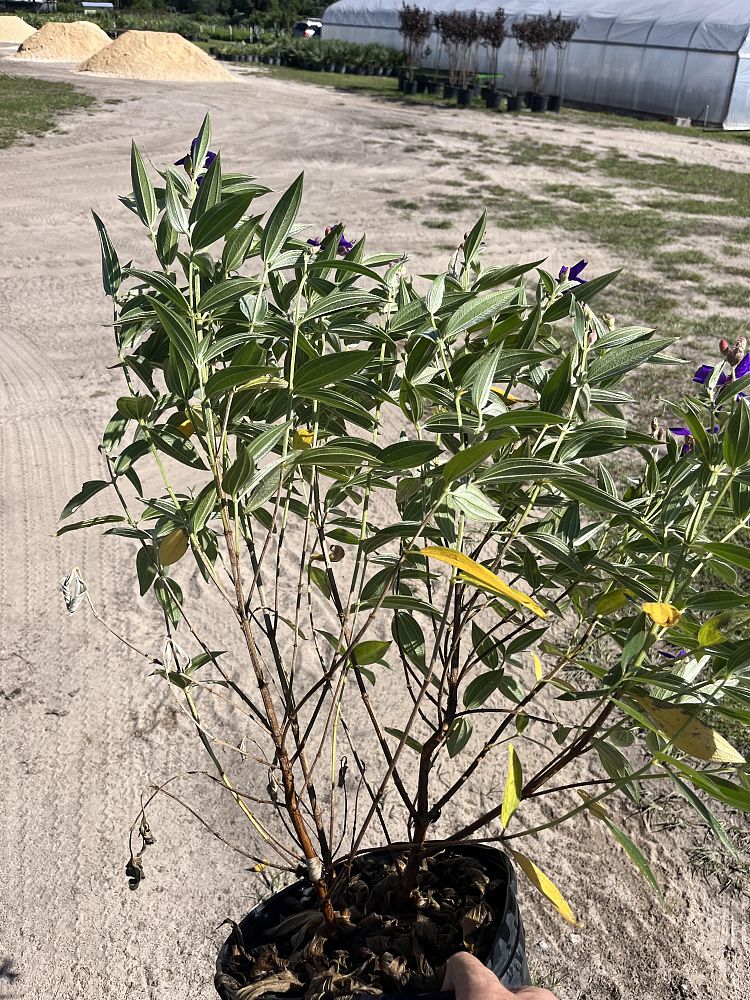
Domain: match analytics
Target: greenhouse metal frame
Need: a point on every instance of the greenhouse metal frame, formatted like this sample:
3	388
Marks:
668	58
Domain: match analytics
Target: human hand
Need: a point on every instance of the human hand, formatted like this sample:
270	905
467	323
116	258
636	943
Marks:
470	980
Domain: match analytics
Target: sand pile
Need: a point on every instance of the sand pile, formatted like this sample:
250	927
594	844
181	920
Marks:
155	55
14	29
64	42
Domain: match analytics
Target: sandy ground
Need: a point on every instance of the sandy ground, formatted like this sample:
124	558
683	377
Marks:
82	727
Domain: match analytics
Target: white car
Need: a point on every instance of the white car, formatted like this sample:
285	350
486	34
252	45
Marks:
309	28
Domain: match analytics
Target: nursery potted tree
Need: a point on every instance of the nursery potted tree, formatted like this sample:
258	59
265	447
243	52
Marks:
415	24
467	27
520	33
539	34
562	31
492	33
447	27
426	502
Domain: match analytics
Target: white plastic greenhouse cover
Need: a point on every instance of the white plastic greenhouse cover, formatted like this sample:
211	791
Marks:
676	58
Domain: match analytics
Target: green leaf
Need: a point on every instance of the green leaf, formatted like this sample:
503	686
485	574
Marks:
718	788
409	454
434	298
238	475
330	370
202	508
209	192
320	578
458	737
167	241
169	596
342	301
177	329
477	310
219	220
618	361
593	497
87	491
174	444
480	376
202	142
473	241
409	637
237	245
408	741
111	271
143	189
146	569
634	854
226	294
480	689
92	521
737	555
370	651
175	209
521	470
582	293
236	377
281	221
161	283
469	459
135	407
470	500
557	387
736	438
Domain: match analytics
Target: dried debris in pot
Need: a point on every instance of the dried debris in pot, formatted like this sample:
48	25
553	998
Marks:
380	947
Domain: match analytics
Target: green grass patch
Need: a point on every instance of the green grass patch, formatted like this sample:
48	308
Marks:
403	205
437	223
32	107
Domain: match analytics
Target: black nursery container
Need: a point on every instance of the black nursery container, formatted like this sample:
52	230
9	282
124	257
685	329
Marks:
554	102
492	99
515	102
465	95
507	957
539	104
449	92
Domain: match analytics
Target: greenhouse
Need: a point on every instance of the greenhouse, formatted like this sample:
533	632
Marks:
685	59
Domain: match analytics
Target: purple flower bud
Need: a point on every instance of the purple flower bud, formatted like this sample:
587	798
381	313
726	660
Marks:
563	273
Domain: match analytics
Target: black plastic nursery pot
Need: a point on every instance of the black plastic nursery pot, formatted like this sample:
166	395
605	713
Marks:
421	84
410	86
492	100
433	87
539	104
506	957
528	95
515	102
554	102
465	95
449	92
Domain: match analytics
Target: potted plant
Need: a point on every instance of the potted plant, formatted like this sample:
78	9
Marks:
539	35
467	29
520	35
448	26
563	30
492	33
415	24
360	485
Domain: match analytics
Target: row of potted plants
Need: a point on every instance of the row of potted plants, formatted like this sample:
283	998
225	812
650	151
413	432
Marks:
465	37
316	55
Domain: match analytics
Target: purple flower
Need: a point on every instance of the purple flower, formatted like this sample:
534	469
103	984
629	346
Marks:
687	434
705	371
573	273
188	159
344	246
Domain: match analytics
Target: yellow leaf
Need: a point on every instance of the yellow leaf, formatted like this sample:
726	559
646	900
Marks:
545	885
173	547
260	867
689	734
506	394
479	576
302	438
595	807
710	632
186	427
513	785
538	672
662	614
613	601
